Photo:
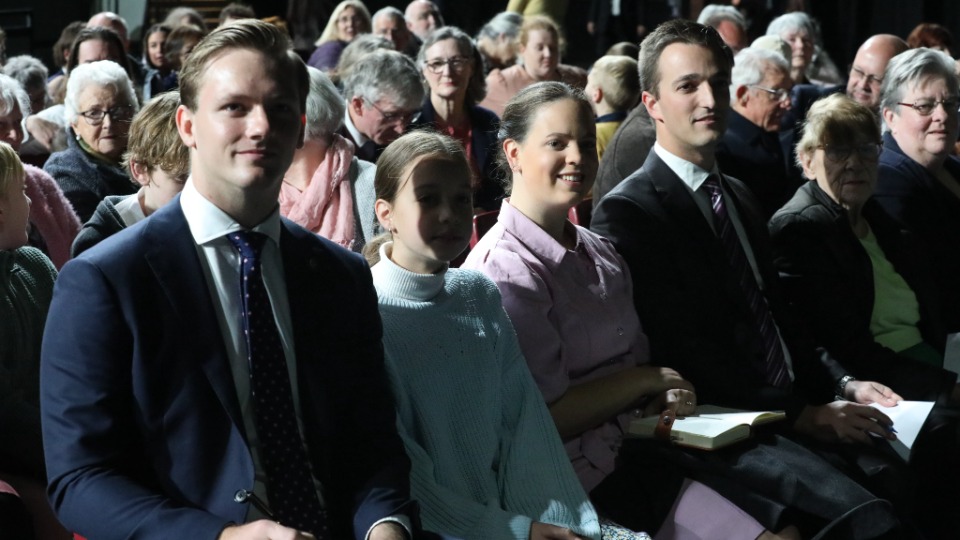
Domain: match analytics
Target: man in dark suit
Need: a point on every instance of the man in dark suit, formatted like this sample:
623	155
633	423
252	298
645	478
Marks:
704	285
750	149
383	92
216	371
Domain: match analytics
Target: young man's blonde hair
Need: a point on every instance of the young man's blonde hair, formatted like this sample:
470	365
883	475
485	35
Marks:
154	142
617	77
11	170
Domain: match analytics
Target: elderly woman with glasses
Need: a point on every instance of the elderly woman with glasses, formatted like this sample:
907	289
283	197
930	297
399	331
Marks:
850	270
453	70
99	105
918	176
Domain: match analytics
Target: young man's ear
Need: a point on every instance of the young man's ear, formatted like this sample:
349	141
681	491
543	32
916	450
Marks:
185	126
652	104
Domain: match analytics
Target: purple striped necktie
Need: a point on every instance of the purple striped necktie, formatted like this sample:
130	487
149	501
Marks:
290	488
773	365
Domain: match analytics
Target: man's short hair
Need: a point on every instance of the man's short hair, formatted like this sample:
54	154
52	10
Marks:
154	141
98	33
236	10
385	73
751	64
249	34
678	31
389	11
617	77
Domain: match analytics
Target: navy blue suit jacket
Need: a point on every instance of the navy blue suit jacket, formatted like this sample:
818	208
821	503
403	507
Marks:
141	422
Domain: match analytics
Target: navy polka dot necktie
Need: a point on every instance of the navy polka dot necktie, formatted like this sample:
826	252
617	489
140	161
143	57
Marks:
290	487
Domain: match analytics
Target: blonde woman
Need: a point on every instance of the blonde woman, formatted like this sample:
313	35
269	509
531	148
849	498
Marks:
349	19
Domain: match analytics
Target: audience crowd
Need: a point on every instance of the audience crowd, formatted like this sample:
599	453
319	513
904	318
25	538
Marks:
413	283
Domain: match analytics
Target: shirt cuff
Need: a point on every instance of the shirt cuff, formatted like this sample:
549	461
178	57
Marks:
401	520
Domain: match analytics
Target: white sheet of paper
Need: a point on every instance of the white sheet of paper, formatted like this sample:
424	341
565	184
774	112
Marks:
908	417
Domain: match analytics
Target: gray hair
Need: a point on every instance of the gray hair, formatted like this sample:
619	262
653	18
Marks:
11	92
750	64
389	11
28	71
100	73
325	107
385	73
477	85
713	14
796	20
910	68
361	46
506	23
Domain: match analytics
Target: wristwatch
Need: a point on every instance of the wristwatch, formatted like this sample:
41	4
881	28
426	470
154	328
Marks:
842	385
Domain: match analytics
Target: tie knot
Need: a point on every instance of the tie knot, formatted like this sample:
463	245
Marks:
248	243
712	185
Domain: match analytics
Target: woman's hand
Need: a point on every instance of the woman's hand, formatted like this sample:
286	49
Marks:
678	401
657	380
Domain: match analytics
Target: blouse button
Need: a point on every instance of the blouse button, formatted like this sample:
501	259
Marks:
603	296
619	330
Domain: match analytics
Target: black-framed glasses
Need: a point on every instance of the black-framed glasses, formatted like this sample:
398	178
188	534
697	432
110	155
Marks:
456	63
839	153
120	113
926	108
778	94
403	116
869	77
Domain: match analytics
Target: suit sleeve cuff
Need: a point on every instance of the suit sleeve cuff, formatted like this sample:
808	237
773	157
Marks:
401	520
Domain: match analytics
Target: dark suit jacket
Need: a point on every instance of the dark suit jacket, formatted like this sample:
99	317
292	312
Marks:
753	155
912	195
484	125
626	151
828	276
690	302
142	426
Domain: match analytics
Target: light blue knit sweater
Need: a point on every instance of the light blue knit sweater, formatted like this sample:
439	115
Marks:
486	456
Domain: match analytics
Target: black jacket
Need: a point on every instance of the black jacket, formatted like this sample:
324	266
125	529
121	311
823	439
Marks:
828	276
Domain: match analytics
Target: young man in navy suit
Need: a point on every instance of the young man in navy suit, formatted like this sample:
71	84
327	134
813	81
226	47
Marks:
175	349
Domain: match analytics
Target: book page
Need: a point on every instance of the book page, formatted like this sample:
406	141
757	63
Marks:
738	416
908	417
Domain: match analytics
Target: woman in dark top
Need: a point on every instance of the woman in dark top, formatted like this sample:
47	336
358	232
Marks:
918	177
453	70
851	271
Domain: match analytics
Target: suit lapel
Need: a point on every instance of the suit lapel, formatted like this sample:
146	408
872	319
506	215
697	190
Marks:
677	200
172	255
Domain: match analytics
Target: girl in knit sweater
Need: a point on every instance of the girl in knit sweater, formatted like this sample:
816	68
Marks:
487	462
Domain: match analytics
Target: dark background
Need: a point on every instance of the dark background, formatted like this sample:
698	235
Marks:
33	26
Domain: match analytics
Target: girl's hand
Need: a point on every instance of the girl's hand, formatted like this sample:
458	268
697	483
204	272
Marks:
679	401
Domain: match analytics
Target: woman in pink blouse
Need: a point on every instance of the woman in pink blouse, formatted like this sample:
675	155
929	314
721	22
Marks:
570	298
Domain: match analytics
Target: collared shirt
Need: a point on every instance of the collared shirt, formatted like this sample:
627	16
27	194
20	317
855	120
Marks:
574	316
358	138
129	210
220	261
693	176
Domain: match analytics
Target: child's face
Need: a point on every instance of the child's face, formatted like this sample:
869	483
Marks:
14	215
431	215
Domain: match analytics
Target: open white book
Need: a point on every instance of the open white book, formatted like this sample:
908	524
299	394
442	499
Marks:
908	417
710	428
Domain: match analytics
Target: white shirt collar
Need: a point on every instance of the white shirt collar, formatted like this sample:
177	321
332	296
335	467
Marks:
692	175
207	222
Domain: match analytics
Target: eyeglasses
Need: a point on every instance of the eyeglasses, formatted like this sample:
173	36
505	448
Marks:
403	116
456	63
120	113
779	94
837	153
870	78
926	108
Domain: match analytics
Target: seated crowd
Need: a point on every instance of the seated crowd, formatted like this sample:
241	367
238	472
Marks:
417	284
